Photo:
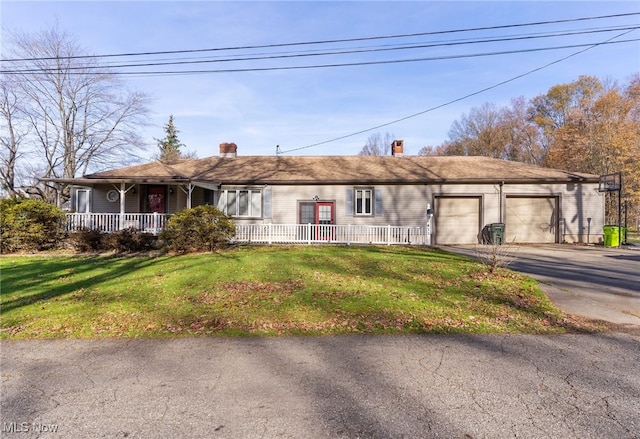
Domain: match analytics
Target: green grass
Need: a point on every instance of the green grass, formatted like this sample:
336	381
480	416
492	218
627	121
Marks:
268	291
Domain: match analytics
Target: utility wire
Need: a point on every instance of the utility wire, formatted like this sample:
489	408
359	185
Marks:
396	45
347	64
344	40
609	41
339	52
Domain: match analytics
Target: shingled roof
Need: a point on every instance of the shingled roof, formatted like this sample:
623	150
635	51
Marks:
276	170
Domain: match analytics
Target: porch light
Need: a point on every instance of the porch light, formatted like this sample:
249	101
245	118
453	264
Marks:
316	198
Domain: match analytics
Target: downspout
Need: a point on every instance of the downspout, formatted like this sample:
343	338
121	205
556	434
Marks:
501	202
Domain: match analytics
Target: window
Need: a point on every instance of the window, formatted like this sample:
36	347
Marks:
239	202
364	201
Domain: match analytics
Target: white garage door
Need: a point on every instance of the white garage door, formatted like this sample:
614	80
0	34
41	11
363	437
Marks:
531	220
457	220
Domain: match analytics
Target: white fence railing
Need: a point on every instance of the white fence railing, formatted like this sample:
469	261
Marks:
334	234
110	222
262	233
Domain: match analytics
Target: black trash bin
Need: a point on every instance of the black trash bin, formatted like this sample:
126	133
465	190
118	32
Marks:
496	233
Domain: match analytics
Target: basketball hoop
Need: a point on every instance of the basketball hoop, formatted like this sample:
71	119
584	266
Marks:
610	182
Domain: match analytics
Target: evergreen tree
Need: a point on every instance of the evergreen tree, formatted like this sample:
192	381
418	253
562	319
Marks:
170	146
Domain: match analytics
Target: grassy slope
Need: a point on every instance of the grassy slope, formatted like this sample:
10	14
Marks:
268	291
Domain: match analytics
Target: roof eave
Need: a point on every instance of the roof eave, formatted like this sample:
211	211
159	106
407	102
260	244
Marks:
134	180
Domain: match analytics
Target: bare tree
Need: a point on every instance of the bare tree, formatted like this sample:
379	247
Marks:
12	133
80	116
377	145
522	135
479	133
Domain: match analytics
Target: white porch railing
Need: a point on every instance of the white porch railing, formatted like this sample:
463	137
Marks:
110	222
334	234
262	233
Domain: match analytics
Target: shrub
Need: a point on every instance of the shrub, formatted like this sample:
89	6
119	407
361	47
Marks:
203	228
121	241
128	240
86	240
29	225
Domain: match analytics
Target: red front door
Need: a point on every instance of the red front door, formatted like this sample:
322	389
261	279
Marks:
156	198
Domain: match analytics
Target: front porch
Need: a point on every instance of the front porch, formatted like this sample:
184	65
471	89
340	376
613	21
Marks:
111	222
262	233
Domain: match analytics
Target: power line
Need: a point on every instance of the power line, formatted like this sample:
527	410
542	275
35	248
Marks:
411	116
346	64
339	52
343	40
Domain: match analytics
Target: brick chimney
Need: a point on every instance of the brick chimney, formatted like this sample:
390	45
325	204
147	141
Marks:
397	148
228	150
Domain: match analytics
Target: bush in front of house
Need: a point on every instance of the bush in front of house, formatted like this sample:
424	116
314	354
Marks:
29	225
122	241
129	240
202	228
86	240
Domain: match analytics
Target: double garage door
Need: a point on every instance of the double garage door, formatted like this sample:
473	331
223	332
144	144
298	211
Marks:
459	219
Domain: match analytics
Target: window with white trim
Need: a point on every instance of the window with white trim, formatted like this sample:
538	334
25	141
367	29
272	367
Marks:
363	201
241	203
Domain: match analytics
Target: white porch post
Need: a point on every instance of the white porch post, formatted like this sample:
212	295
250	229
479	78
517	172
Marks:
123	194
188	191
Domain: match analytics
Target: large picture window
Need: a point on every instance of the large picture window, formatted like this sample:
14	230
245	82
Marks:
363	201
239	203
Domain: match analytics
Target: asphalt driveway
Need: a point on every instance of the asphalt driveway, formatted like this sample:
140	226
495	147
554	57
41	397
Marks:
594	282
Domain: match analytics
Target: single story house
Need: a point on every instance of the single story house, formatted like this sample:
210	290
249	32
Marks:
463	194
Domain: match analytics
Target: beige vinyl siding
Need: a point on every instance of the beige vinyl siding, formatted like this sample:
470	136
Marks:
582	212
175	201
197	196
402	205
99	202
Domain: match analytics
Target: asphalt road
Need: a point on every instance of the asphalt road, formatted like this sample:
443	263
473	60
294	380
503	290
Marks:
595	282
416	386
488	386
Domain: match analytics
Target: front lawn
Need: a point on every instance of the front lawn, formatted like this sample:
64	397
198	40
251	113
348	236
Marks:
268	291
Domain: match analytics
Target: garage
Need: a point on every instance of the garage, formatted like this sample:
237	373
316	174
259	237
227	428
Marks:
457	220
531	219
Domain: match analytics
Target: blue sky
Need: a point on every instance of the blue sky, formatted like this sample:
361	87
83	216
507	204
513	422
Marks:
297	108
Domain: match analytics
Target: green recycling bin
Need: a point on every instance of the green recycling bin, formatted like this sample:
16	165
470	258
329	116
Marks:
496	231
611	236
